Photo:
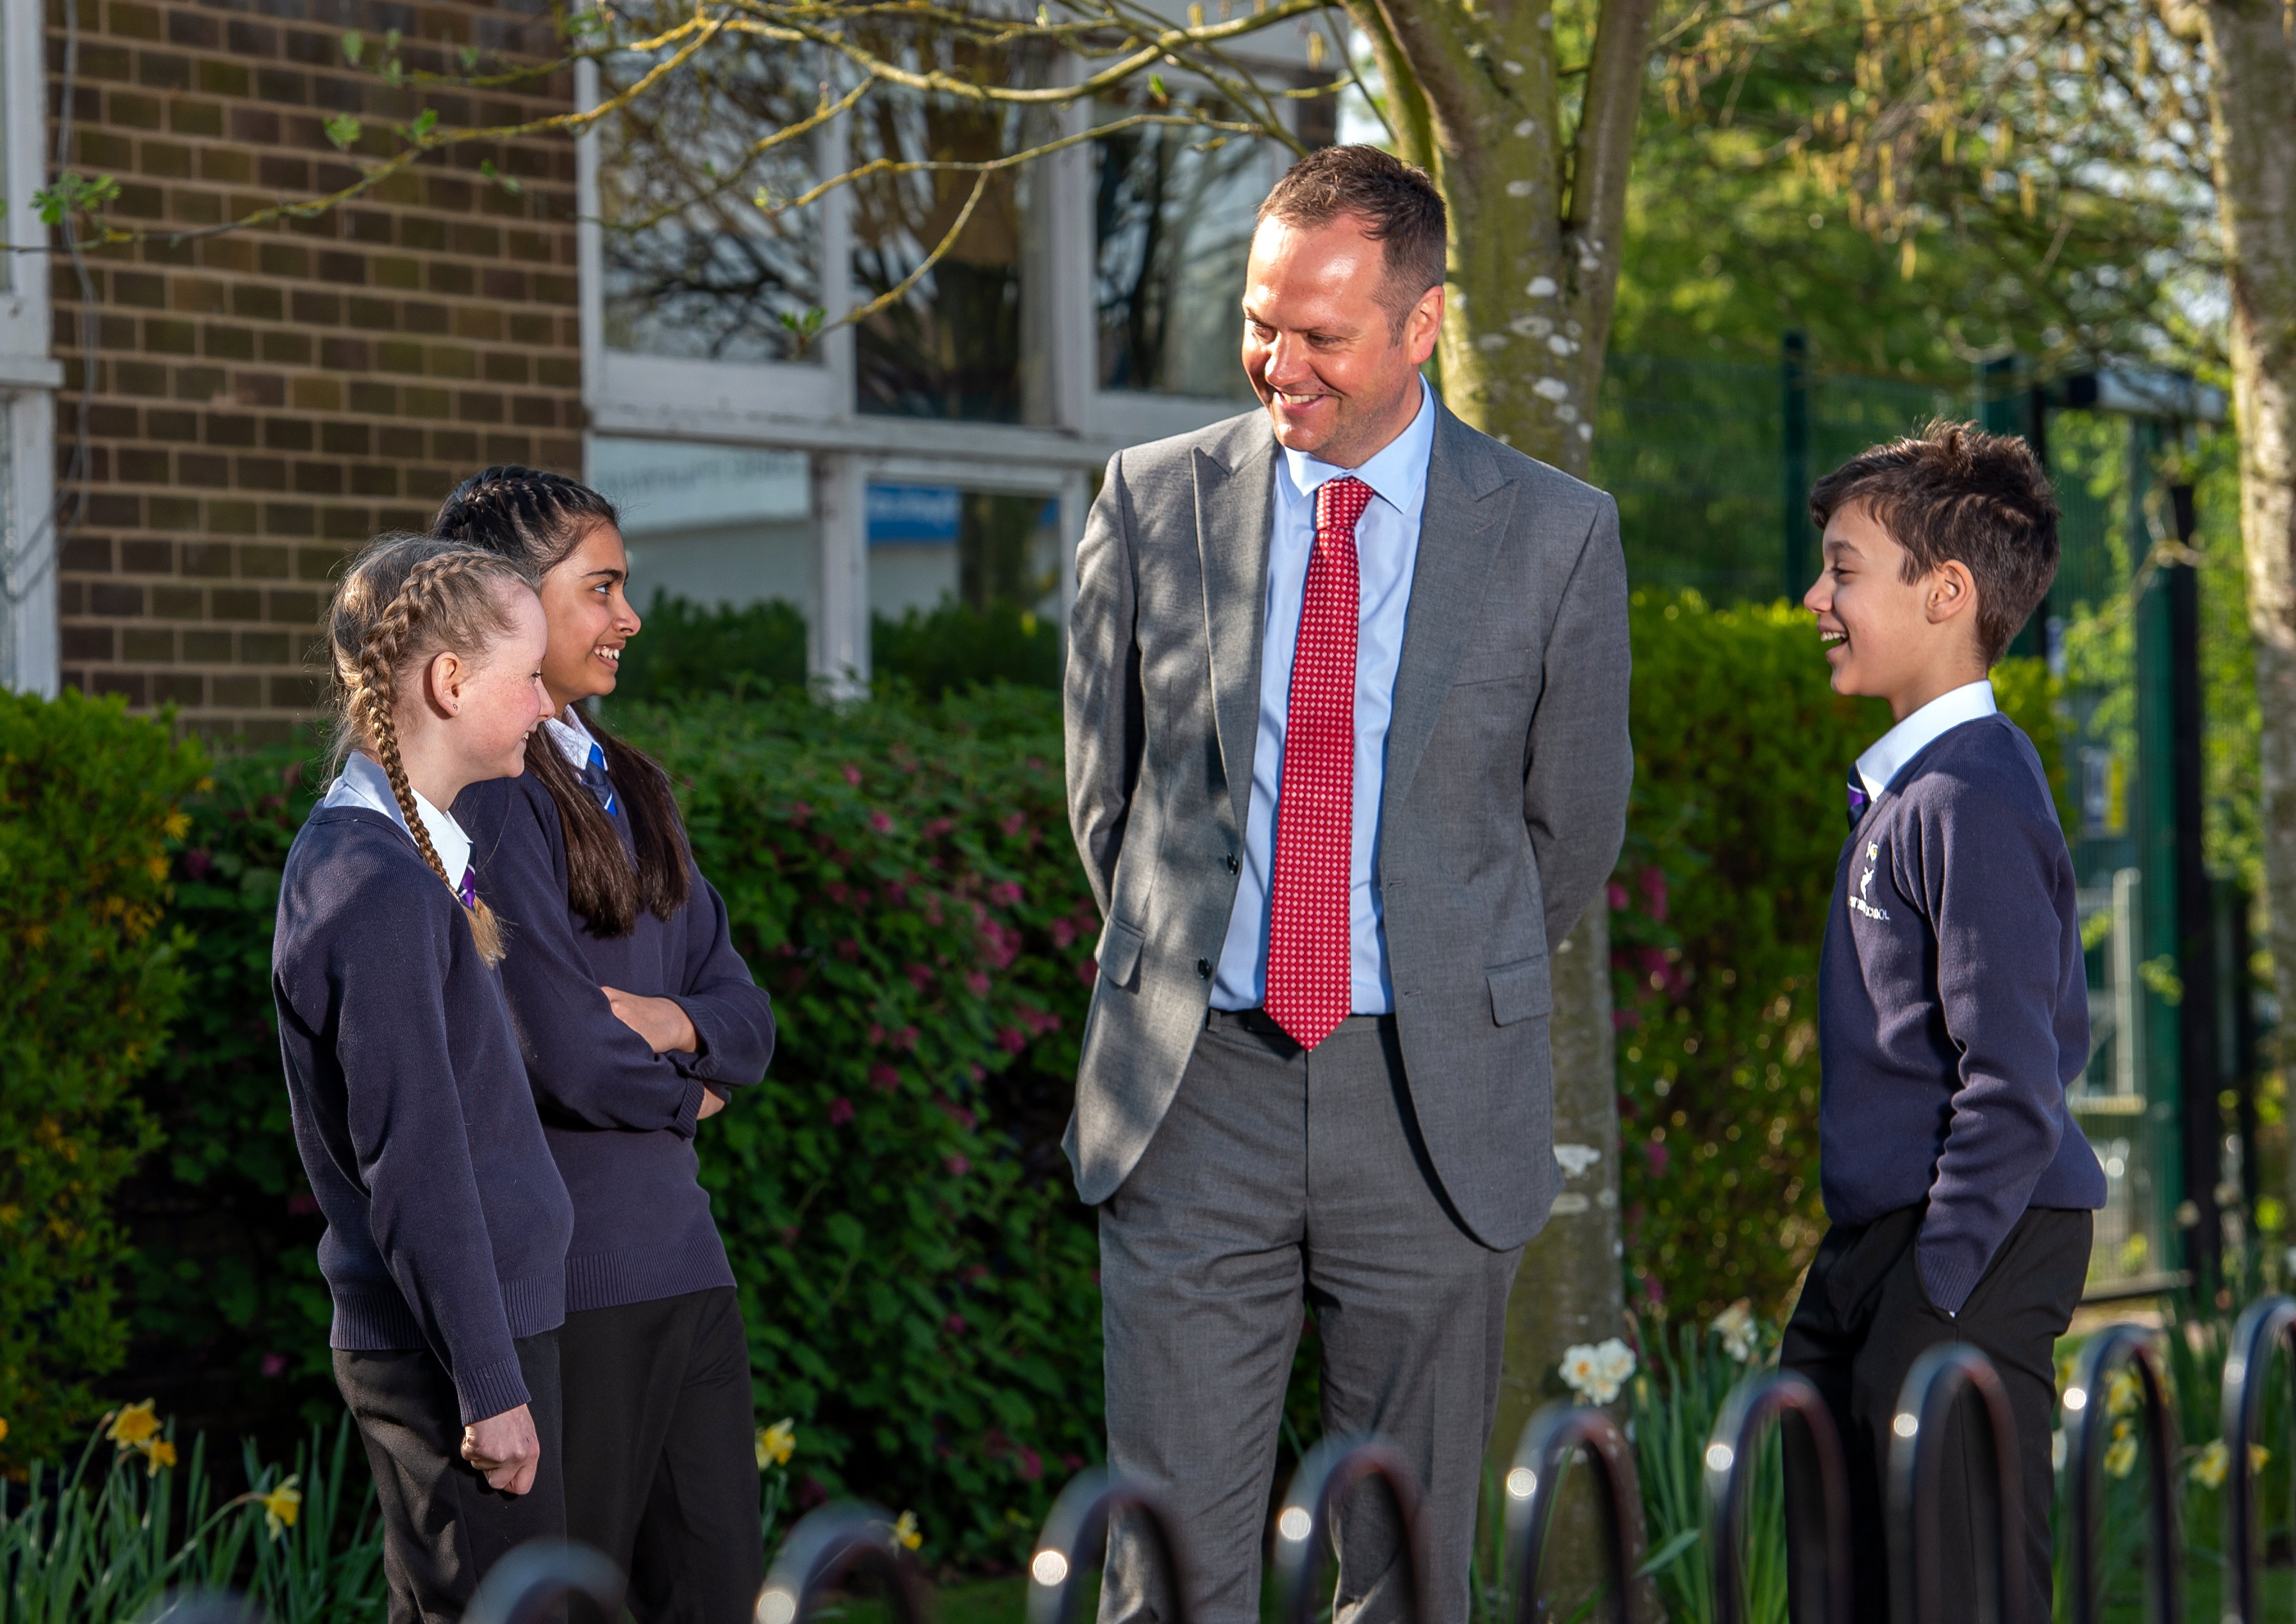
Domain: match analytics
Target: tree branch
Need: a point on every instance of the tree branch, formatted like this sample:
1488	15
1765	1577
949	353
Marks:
1604	146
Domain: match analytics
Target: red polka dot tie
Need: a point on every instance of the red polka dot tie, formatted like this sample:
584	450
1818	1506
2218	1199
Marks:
1309	979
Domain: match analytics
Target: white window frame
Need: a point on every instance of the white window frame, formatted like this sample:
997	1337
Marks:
29	374
810	407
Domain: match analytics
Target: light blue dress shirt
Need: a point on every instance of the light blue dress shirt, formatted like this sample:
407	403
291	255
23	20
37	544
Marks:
1387	550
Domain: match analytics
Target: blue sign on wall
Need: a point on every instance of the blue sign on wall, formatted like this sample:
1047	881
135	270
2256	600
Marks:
914	515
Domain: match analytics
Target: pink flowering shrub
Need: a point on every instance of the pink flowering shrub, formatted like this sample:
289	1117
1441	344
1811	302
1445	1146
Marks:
916	1270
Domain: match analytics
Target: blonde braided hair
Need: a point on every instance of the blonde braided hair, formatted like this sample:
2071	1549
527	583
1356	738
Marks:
403	600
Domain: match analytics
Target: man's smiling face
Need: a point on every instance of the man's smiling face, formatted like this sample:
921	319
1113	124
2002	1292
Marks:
1321	348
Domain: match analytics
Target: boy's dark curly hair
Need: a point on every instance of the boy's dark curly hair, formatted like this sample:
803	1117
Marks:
1956	493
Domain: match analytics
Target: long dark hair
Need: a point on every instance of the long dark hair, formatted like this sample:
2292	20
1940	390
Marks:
537	520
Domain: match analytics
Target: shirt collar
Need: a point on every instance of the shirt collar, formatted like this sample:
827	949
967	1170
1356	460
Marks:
1918	731
365	784
566	731
1397	473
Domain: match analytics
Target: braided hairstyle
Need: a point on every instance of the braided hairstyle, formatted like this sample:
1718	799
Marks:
403	600
536	520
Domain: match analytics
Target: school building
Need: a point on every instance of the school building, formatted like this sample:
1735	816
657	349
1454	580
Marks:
201	426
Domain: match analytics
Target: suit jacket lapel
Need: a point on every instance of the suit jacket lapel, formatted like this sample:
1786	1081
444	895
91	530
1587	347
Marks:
1234	504
1460	526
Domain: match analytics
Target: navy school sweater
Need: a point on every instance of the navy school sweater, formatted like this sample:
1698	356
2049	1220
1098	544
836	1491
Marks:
447	1221
1953	1008
620	1120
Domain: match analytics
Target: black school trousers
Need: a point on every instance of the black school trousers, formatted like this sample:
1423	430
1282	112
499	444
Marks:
442	1526
1864	1317
661	1456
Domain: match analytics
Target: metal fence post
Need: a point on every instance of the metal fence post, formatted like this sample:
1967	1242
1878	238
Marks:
1075	1537
1555	1435
527	1586
1925	1404
1332	1470
824	1547
2268	1325
1817	1498
2088	1435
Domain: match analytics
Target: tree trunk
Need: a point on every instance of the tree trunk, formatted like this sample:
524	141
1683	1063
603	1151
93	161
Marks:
1536	215
2252	94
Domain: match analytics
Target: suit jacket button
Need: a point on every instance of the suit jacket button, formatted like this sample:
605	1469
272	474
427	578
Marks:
1203	970
1231	863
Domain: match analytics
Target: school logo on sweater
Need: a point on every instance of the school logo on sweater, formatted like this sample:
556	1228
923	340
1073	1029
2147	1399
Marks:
1866	885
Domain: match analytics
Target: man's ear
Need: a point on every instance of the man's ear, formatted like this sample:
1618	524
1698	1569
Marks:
1424	325
1951	594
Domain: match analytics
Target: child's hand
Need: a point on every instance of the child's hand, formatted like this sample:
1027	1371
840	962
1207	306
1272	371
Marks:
505	1448
659	1020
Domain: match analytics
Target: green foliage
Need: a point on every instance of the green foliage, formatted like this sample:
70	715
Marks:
89	978
917	1278
1719	910
224	1269
686	649
121	1528
1674	1401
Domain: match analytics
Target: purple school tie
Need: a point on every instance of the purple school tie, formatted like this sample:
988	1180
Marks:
468	890
1858	798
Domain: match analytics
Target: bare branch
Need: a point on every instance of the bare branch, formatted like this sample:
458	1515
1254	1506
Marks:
1606	122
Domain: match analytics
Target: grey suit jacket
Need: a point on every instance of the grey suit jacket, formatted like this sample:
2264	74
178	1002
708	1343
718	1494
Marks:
1508	770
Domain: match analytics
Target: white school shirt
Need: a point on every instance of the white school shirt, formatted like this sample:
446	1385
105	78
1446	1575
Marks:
573	739
1915	734
365	784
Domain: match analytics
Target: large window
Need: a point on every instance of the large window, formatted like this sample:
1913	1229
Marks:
711	524
971	339
699	261
1172	220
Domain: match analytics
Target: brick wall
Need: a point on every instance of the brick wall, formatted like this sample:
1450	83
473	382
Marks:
263	401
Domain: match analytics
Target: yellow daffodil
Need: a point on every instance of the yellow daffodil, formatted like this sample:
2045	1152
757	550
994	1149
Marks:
134	1426
2122	1397
905	1532
157	1454
3	1429
281	1507
2120	1458
776	1443
2209	1466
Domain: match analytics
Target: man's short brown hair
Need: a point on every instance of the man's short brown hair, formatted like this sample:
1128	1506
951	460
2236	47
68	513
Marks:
1399	206
1955	493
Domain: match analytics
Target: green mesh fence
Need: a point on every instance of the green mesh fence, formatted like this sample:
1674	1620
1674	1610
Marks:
1700	457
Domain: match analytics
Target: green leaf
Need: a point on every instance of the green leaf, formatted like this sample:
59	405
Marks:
354	42
1667	1554
343	130
470	57
424	123
507	183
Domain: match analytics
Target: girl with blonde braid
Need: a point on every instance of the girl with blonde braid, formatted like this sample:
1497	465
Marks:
446	1220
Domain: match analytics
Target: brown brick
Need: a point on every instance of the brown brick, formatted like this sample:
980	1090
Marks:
345	524
251	39
86	642
173	424
179	603
318	564
186	689
316	395
429	404
539	411
102	149
140	288
295	608
190	30
290	518
237	603
509	449
319	478
187	117
505	367
455	280
456	446
198	295
115	509
245	692
286	348
208	646
230	429
149	644
260	390
147	558
349	269
304	692
344	439
230	516
285	259
287	434
221	164
137	112
280	85
163	70
199	382
375	399
263	564
400	444
367	479
254	302
195	208
262	473
317	309
87	555
118	598
130	685
374	314
480	322
389	271
478	407
345	354
399	355
143	464
167	159
170	512
207	558
171	338
224	343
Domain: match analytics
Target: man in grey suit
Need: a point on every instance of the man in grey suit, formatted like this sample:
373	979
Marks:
1347	758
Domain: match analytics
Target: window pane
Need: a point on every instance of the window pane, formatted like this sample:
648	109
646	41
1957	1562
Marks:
934	546
693	267
711	524
1173	216
971	340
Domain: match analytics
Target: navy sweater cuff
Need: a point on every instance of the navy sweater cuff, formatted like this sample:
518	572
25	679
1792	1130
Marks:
1948	1278
490	1389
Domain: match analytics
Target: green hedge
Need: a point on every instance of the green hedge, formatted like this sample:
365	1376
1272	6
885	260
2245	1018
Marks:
1741	752
917	1276
89	978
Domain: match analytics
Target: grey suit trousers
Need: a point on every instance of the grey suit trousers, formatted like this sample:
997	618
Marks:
1280	1181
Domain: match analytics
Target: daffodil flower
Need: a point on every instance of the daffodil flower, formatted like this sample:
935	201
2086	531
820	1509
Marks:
134	1426
905	1532
776	1443
157	1454
281	1507
2121	1459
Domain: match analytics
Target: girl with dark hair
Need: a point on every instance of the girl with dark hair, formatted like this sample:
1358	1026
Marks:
636	1018
446	1220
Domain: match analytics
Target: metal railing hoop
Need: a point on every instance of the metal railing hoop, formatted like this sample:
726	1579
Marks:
1556	1436
1817	1497
1331	1470
1075	1539
527	1586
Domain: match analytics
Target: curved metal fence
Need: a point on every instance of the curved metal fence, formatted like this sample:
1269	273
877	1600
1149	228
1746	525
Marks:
836	1545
